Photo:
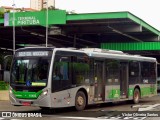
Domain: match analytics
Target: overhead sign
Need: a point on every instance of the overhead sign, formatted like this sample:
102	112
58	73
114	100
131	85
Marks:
35	18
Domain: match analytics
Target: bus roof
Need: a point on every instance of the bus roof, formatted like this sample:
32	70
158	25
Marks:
96	52
103	53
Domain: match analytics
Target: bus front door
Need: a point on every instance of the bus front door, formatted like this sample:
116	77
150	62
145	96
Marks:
98	78
124	80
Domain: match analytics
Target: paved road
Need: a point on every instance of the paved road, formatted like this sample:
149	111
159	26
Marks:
109	111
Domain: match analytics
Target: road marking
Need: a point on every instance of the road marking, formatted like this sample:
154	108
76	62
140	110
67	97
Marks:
106	118
146	107
9	119
83	118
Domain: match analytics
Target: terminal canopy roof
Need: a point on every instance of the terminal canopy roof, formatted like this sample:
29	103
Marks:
87	30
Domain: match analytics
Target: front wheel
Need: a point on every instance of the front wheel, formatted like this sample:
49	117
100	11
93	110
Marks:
136	96
80	101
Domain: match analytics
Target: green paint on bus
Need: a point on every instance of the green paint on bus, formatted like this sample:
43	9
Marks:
26	95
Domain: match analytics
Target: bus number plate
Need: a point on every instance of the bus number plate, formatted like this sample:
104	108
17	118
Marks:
26	103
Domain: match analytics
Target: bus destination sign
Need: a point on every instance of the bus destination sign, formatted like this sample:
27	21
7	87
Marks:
32	53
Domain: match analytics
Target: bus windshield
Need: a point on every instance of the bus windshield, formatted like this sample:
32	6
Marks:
30	71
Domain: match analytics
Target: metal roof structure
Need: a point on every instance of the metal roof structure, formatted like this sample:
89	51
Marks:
85	30
111	27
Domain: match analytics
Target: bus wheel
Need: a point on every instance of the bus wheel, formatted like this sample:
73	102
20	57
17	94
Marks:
80	101
136	96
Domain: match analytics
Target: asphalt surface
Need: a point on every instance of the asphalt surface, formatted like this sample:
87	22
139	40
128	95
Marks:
147	109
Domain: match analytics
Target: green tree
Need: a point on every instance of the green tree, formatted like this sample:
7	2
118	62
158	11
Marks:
50	8
1	14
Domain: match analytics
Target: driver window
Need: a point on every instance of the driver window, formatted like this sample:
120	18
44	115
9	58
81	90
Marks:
60	75
60	71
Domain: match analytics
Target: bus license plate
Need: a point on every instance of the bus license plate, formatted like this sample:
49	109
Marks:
26	103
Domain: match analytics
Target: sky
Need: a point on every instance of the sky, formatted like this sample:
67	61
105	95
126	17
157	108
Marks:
147	10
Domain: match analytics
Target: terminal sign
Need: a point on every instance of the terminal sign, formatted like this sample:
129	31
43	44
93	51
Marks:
35	18
28	21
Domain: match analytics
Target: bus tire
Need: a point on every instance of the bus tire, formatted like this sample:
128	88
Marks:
136	96
80	101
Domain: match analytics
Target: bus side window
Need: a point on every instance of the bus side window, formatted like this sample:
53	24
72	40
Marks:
81	70
64	71
134	69
134	72
60	71
60	75
56	74
148	72
112	71
145	70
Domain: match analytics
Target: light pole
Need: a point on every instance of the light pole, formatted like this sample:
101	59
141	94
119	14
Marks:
54	3
46	23
13	23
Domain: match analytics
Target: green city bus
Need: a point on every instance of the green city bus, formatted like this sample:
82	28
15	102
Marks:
65	77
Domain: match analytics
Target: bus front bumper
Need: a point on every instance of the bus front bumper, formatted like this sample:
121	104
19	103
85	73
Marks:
41	101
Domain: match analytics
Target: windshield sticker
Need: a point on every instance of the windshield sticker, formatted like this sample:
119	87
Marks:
28	83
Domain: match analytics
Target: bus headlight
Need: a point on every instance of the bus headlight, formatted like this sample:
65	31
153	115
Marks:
45	92
10	90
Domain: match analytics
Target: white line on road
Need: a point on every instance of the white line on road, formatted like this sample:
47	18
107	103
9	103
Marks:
105	118
146	107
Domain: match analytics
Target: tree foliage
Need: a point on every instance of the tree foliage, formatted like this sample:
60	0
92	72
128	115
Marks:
50	8
1	14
